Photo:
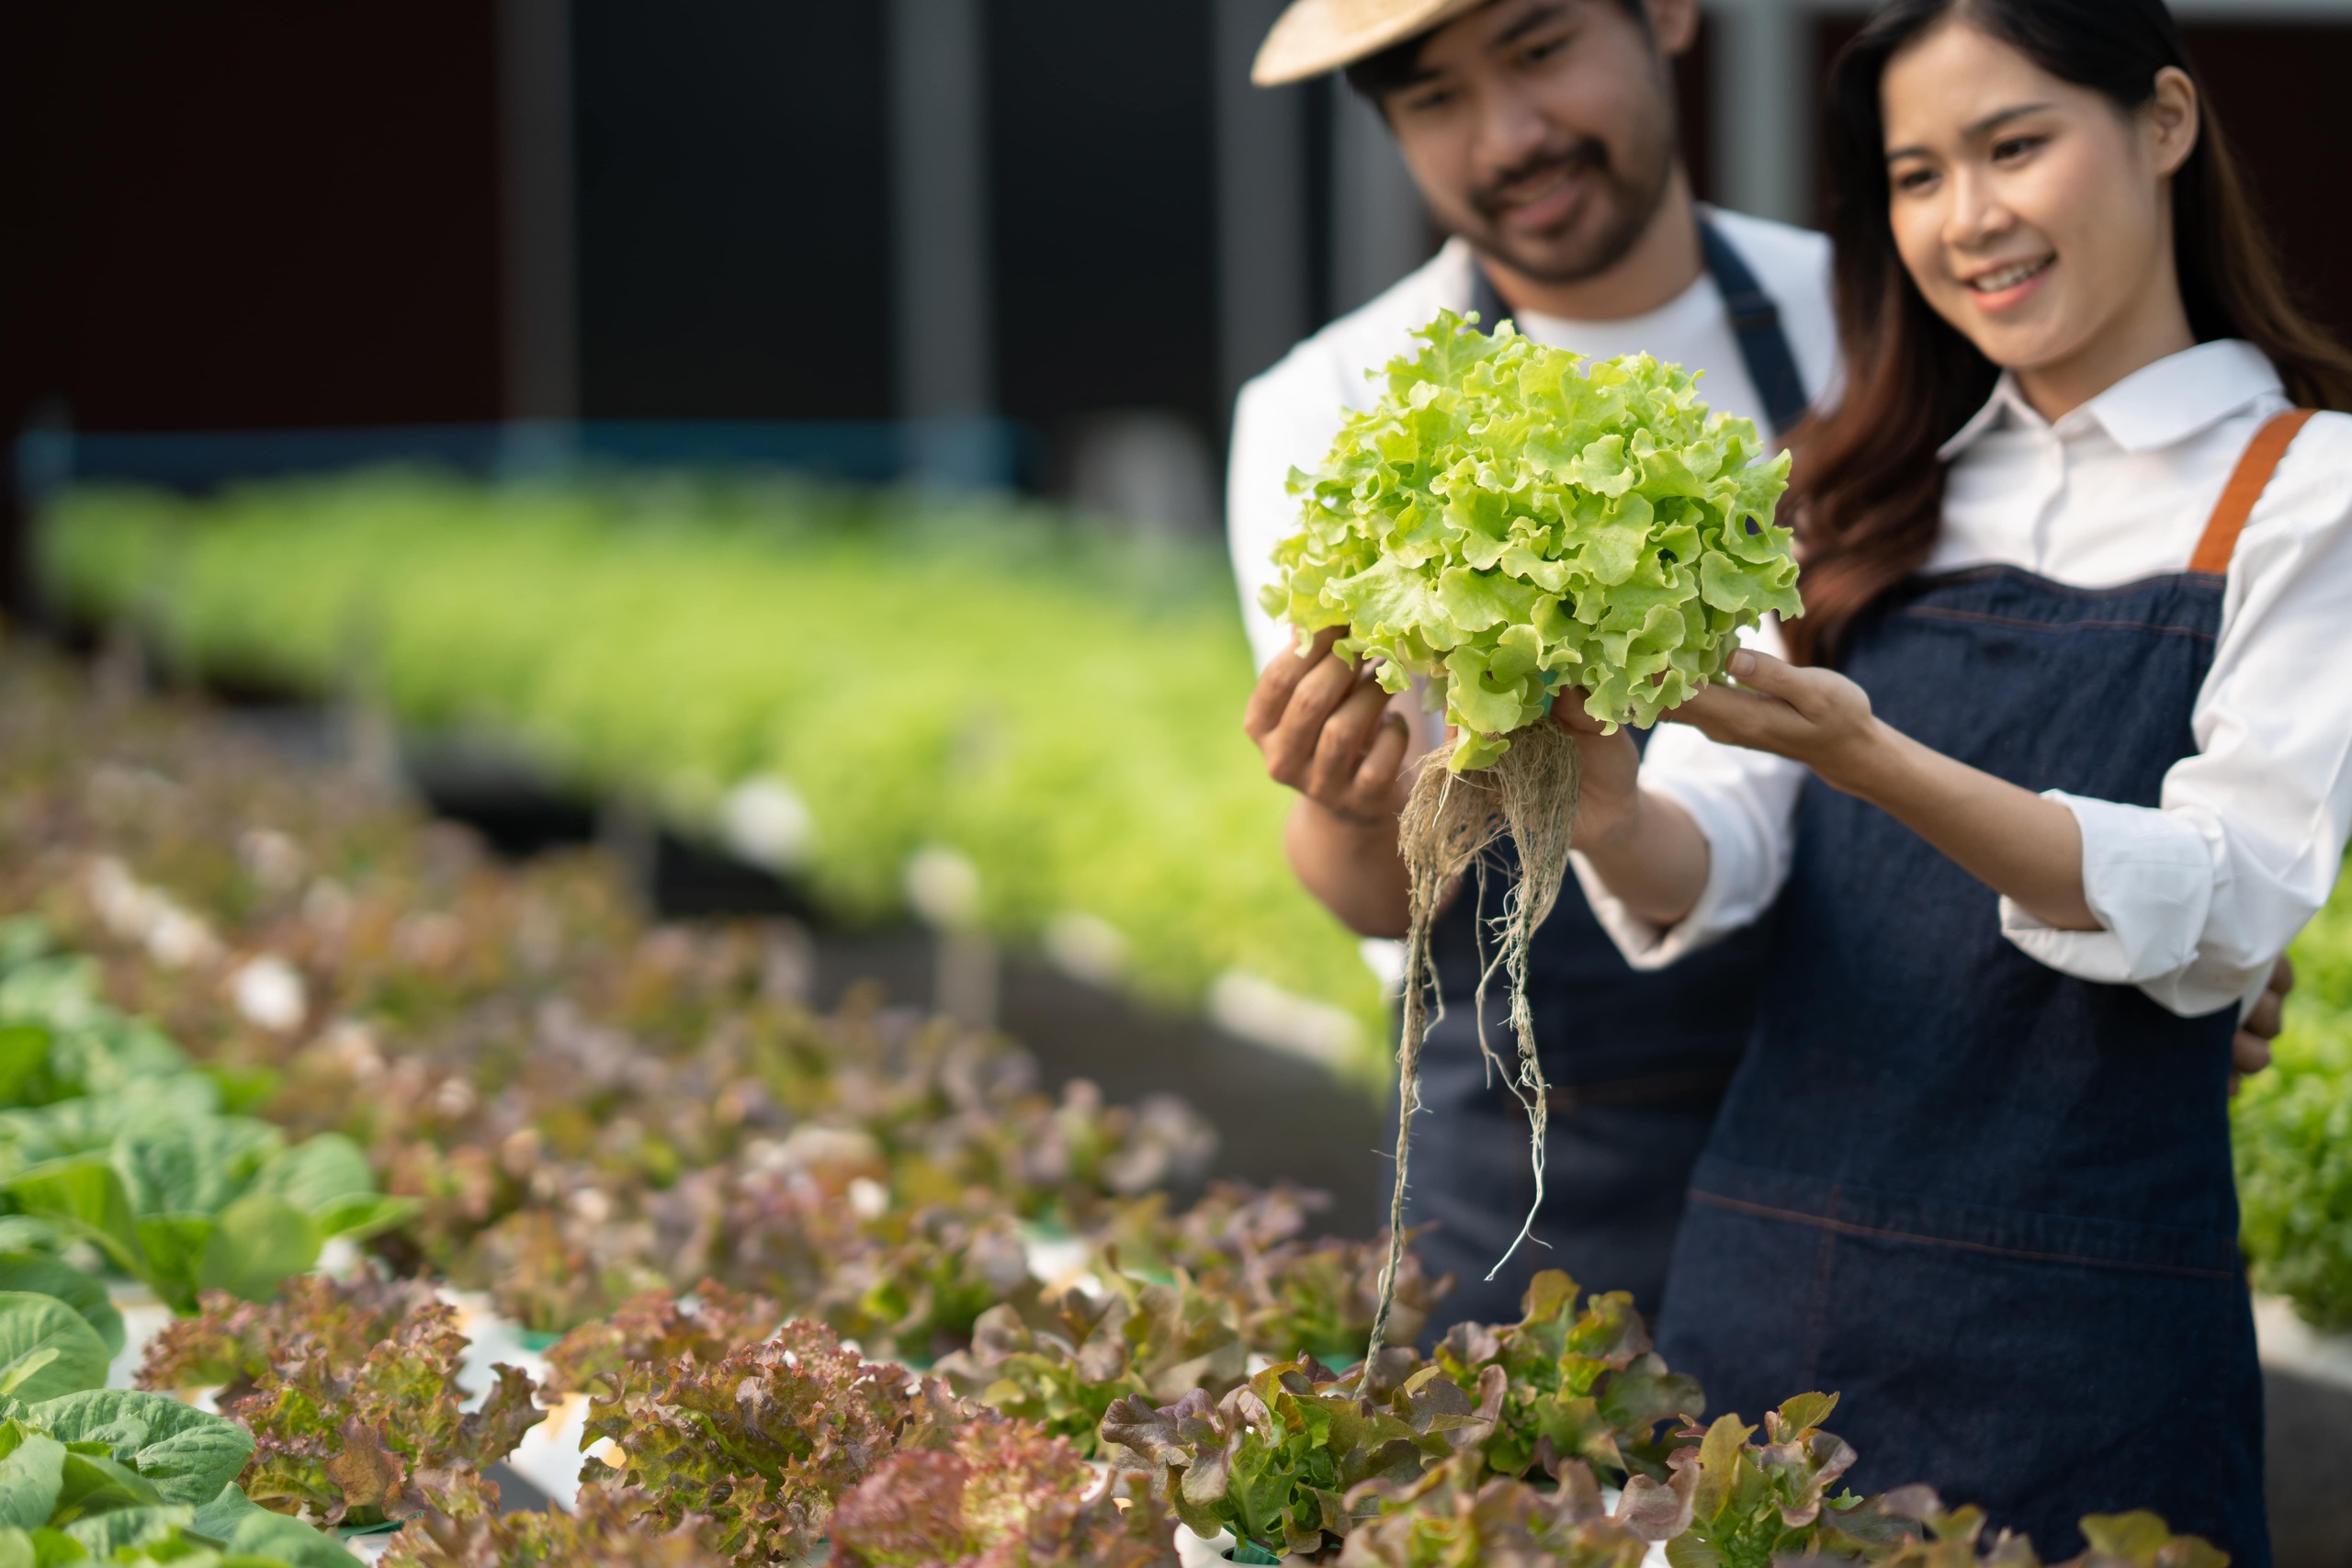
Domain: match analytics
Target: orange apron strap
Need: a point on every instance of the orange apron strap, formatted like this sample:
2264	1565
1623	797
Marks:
2247	482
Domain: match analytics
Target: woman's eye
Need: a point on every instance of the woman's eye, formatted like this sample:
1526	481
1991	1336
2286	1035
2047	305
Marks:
1535	53
1911	181
2011	148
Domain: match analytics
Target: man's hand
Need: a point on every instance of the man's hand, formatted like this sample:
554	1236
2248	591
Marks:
2250	1047
1327	730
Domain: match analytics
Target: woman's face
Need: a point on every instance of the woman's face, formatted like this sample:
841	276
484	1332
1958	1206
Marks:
2034	214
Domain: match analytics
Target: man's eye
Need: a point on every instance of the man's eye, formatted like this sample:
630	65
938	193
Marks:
1423	103
1535	53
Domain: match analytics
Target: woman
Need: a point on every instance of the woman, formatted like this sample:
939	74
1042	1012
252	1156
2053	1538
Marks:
2057	771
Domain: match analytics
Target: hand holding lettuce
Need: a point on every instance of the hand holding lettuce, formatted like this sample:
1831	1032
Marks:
1509	522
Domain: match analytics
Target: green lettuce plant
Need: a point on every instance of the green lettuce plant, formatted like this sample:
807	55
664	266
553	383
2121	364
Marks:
1579	1382
1510	518
89	1474
1455	1516
2292	1133
1275	1459
1063	1363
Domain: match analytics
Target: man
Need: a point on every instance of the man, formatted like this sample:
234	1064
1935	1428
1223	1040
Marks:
1542	136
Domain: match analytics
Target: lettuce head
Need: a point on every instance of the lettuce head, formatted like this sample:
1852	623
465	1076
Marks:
1511	519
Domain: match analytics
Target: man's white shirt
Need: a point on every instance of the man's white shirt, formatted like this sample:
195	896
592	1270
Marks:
1286	417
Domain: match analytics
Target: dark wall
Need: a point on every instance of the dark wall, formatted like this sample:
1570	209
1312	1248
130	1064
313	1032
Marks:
2279	91
733	219
271	214
1103	158
265	214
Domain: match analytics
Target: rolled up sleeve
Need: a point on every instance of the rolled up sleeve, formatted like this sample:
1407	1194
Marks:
2148	878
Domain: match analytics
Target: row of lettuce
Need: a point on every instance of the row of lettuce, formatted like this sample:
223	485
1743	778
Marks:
847	1282
843	683
1053	705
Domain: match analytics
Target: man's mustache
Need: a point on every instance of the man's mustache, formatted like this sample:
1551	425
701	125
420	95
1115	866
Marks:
1491	198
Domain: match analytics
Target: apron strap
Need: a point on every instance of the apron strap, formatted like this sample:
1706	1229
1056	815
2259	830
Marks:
2247	481
1764	348
1756	322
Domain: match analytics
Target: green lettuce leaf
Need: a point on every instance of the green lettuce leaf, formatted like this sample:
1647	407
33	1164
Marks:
1511	518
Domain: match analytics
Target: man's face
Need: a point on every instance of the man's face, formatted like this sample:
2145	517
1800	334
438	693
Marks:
1543	130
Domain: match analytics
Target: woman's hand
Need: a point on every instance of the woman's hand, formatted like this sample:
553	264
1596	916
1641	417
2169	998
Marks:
1609	799
1808	715
2013	840
1645	849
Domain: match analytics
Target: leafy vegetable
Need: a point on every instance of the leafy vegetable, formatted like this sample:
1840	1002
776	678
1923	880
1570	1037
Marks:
351	1431
1749	1504
1510	518
1157	1342
1577	1385
231	1344
189	1203
656	1329
89	1474
764	1443
1275	1458
605	1531
605	624
1453	1516
1005	1494
2291	1131
46	1347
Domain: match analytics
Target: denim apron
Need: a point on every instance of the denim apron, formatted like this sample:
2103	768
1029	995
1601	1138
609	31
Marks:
1637	1061
1989	1203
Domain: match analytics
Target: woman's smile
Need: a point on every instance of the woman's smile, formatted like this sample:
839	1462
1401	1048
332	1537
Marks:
1999	289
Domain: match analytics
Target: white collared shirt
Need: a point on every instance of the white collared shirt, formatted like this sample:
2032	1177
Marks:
2198	896
1285	418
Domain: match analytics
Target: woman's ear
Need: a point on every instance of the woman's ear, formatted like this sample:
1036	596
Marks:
2172	119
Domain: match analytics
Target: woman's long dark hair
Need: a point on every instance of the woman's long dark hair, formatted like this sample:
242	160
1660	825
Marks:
1868	492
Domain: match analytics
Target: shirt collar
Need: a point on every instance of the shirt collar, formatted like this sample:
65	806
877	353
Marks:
2154	407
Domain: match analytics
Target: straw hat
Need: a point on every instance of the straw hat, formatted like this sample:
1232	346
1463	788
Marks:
1315	36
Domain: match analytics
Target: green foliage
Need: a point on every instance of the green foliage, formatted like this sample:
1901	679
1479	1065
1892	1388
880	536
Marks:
1457	1515
764	1443
351	1394
46	1347
1275	1459
1062	1364
1751	1504
1509	519
1005	1494
1065	720
108	1475
111	1138
1291	1293
2291	1127
1576	1383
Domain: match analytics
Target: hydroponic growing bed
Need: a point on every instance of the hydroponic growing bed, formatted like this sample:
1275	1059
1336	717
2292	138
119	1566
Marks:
797	1283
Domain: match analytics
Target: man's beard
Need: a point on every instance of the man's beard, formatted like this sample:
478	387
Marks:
1624	200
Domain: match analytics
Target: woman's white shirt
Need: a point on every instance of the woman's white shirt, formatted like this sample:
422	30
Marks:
2198	896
